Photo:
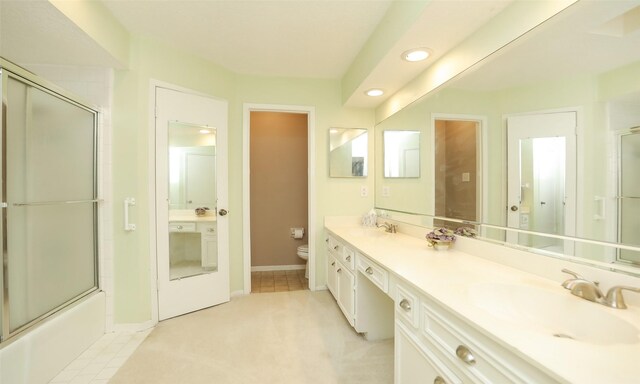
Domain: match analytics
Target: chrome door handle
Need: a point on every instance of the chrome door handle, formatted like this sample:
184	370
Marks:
369	270
179	226
514	208
210	230
465	355
405	304
223	212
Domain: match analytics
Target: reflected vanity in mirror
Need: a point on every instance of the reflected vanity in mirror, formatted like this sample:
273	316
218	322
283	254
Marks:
574	196
348	152
192	200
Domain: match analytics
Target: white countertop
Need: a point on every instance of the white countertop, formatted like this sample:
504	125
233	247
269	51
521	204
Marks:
189	215
451	277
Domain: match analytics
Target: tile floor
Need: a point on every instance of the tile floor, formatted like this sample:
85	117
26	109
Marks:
278	281
102	360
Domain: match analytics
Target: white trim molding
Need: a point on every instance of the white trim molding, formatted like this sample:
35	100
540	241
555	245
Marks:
247	108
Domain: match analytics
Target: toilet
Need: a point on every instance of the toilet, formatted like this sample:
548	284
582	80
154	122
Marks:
303	253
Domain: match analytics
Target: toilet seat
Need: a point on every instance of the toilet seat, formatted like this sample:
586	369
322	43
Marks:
303	250
303	253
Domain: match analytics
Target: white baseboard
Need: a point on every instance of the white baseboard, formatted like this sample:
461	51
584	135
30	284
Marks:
134	327
263	268
237	293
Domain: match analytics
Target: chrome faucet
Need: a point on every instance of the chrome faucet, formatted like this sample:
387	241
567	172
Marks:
391	228
590	290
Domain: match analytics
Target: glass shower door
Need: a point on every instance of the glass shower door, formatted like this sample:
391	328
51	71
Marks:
50	203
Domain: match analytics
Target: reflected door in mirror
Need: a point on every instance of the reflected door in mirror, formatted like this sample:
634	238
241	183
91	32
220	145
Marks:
457	190
541	178
629	196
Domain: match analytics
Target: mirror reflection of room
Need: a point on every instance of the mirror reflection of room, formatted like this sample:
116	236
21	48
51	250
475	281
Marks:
348	152
456	169
192	200
401	154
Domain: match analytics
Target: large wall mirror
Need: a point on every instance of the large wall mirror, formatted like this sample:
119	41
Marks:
348	152
558	153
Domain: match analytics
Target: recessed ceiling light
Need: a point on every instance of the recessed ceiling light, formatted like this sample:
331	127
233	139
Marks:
205	131
417	54
375	92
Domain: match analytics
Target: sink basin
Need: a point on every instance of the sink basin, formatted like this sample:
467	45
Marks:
368	232
557	314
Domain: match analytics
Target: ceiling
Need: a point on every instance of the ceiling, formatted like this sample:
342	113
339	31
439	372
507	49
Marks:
303	38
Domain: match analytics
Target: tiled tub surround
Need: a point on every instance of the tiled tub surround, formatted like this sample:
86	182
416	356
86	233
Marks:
453	280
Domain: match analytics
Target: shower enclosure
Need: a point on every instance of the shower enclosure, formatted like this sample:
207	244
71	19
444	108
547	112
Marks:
49	201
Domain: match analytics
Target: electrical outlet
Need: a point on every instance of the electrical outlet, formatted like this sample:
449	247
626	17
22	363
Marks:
386	191
364	191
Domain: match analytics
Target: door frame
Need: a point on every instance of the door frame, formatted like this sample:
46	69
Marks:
151	207
247	108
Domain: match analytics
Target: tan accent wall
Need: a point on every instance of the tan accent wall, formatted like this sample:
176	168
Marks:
456	155
278	186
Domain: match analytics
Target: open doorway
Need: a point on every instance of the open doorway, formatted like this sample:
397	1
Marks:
278	199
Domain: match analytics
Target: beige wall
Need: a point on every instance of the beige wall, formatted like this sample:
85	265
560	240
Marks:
278	163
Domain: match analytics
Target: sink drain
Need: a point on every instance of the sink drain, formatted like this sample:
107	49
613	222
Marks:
563	336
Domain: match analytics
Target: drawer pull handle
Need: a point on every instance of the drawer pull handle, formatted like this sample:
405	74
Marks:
439	380
369	270
210	230
405	304
465	355
334	263
349	258
336	247
339	270
179	226
326	240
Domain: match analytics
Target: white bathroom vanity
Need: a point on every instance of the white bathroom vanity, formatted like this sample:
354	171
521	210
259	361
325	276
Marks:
477	313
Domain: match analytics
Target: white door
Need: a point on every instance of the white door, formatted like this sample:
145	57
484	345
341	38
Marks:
542	178
191	275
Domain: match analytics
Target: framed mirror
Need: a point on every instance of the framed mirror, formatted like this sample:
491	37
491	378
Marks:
581	63
192	200
401	154
348	152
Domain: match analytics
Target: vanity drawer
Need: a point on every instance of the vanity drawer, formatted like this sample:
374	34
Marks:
182	227
480	358
207	229
334	246
378	275
407	305
349	257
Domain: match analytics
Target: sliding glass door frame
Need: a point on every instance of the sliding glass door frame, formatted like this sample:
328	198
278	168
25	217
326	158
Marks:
7	71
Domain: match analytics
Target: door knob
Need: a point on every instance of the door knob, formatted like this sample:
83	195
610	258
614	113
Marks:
223	212
514	208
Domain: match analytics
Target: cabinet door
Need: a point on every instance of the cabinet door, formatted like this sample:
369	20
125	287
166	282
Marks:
346	292
331	274
413	365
